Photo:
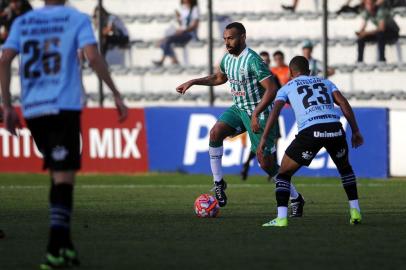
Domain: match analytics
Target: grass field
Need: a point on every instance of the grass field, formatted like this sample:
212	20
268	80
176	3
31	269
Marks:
147	222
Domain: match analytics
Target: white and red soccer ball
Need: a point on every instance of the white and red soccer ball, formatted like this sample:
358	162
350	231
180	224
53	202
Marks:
206	206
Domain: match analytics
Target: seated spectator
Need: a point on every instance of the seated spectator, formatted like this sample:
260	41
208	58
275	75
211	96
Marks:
114	36
14	9
315	65
188	20
281	70
386	31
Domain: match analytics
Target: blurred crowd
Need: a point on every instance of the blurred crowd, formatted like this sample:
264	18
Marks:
115	38
9	11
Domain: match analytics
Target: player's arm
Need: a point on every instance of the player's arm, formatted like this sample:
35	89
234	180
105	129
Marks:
272	119
212	80
98	64
270	92
11	119
357	139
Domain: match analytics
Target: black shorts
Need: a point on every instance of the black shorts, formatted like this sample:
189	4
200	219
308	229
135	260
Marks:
309	141
58	139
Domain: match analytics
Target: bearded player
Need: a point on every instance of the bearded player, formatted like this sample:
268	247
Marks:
253	89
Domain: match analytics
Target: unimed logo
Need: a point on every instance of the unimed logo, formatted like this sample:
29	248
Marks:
119	143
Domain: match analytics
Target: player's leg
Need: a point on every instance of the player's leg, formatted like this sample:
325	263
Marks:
270	165
246	166
338	151
283	190
299	153
58	138
227	125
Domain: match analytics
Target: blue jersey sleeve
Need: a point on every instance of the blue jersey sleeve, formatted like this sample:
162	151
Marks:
13	40
282	94
330	85
86	36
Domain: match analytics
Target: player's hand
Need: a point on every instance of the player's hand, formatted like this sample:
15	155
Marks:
11	120
184	87
357	140
121	108
255	124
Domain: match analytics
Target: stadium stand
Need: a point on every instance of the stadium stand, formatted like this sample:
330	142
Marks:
269	28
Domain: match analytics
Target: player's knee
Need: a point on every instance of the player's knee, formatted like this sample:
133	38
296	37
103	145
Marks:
345	169
215	135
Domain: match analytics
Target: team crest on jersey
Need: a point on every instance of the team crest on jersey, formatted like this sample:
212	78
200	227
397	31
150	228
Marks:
307	155
242	70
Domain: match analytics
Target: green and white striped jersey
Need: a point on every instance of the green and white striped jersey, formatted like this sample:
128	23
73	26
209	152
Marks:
245	72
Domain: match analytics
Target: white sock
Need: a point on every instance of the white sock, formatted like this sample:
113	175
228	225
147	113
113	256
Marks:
354	204
293	192
282	211
216	153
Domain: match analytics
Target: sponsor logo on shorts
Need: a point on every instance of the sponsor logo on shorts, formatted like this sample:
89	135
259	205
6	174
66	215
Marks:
341	153
59	153
325	134
307	155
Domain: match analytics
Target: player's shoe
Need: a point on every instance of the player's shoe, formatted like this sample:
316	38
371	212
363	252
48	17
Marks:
67	258
296	206
71	257
219	190
53	262
277	222
355	216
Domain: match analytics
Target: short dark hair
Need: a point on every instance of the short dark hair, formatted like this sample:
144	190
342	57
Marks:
299	64
264	53
238	26
279	53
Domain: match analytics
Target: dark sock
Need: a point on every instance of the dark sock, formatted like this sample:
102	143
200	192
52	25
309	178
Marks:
282	189
350	185
60	212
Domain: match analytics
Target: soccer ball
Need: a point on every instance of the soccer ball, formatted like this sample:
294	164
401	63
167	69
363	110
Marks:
206	206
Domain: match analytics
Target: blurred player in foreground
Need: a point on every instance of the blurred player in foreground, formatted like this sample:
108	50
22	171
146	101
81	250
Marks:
253	89
48	40
312	99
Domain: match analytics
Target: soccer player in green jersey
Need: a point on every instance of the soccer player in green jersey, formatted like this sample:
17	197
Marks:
253	88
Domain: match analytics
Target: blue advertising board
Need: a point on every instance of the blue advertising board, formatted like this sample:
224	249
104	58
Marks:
178	141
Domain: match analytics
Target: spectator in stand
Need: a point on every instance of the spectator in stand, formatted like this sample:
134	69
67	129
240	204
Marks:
358	8
386	31
281	70
294	5
315	65
115	35
188	20
14	9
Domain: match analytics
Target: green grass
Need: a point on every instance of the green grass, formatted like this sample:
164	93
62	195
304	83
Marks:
147	222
